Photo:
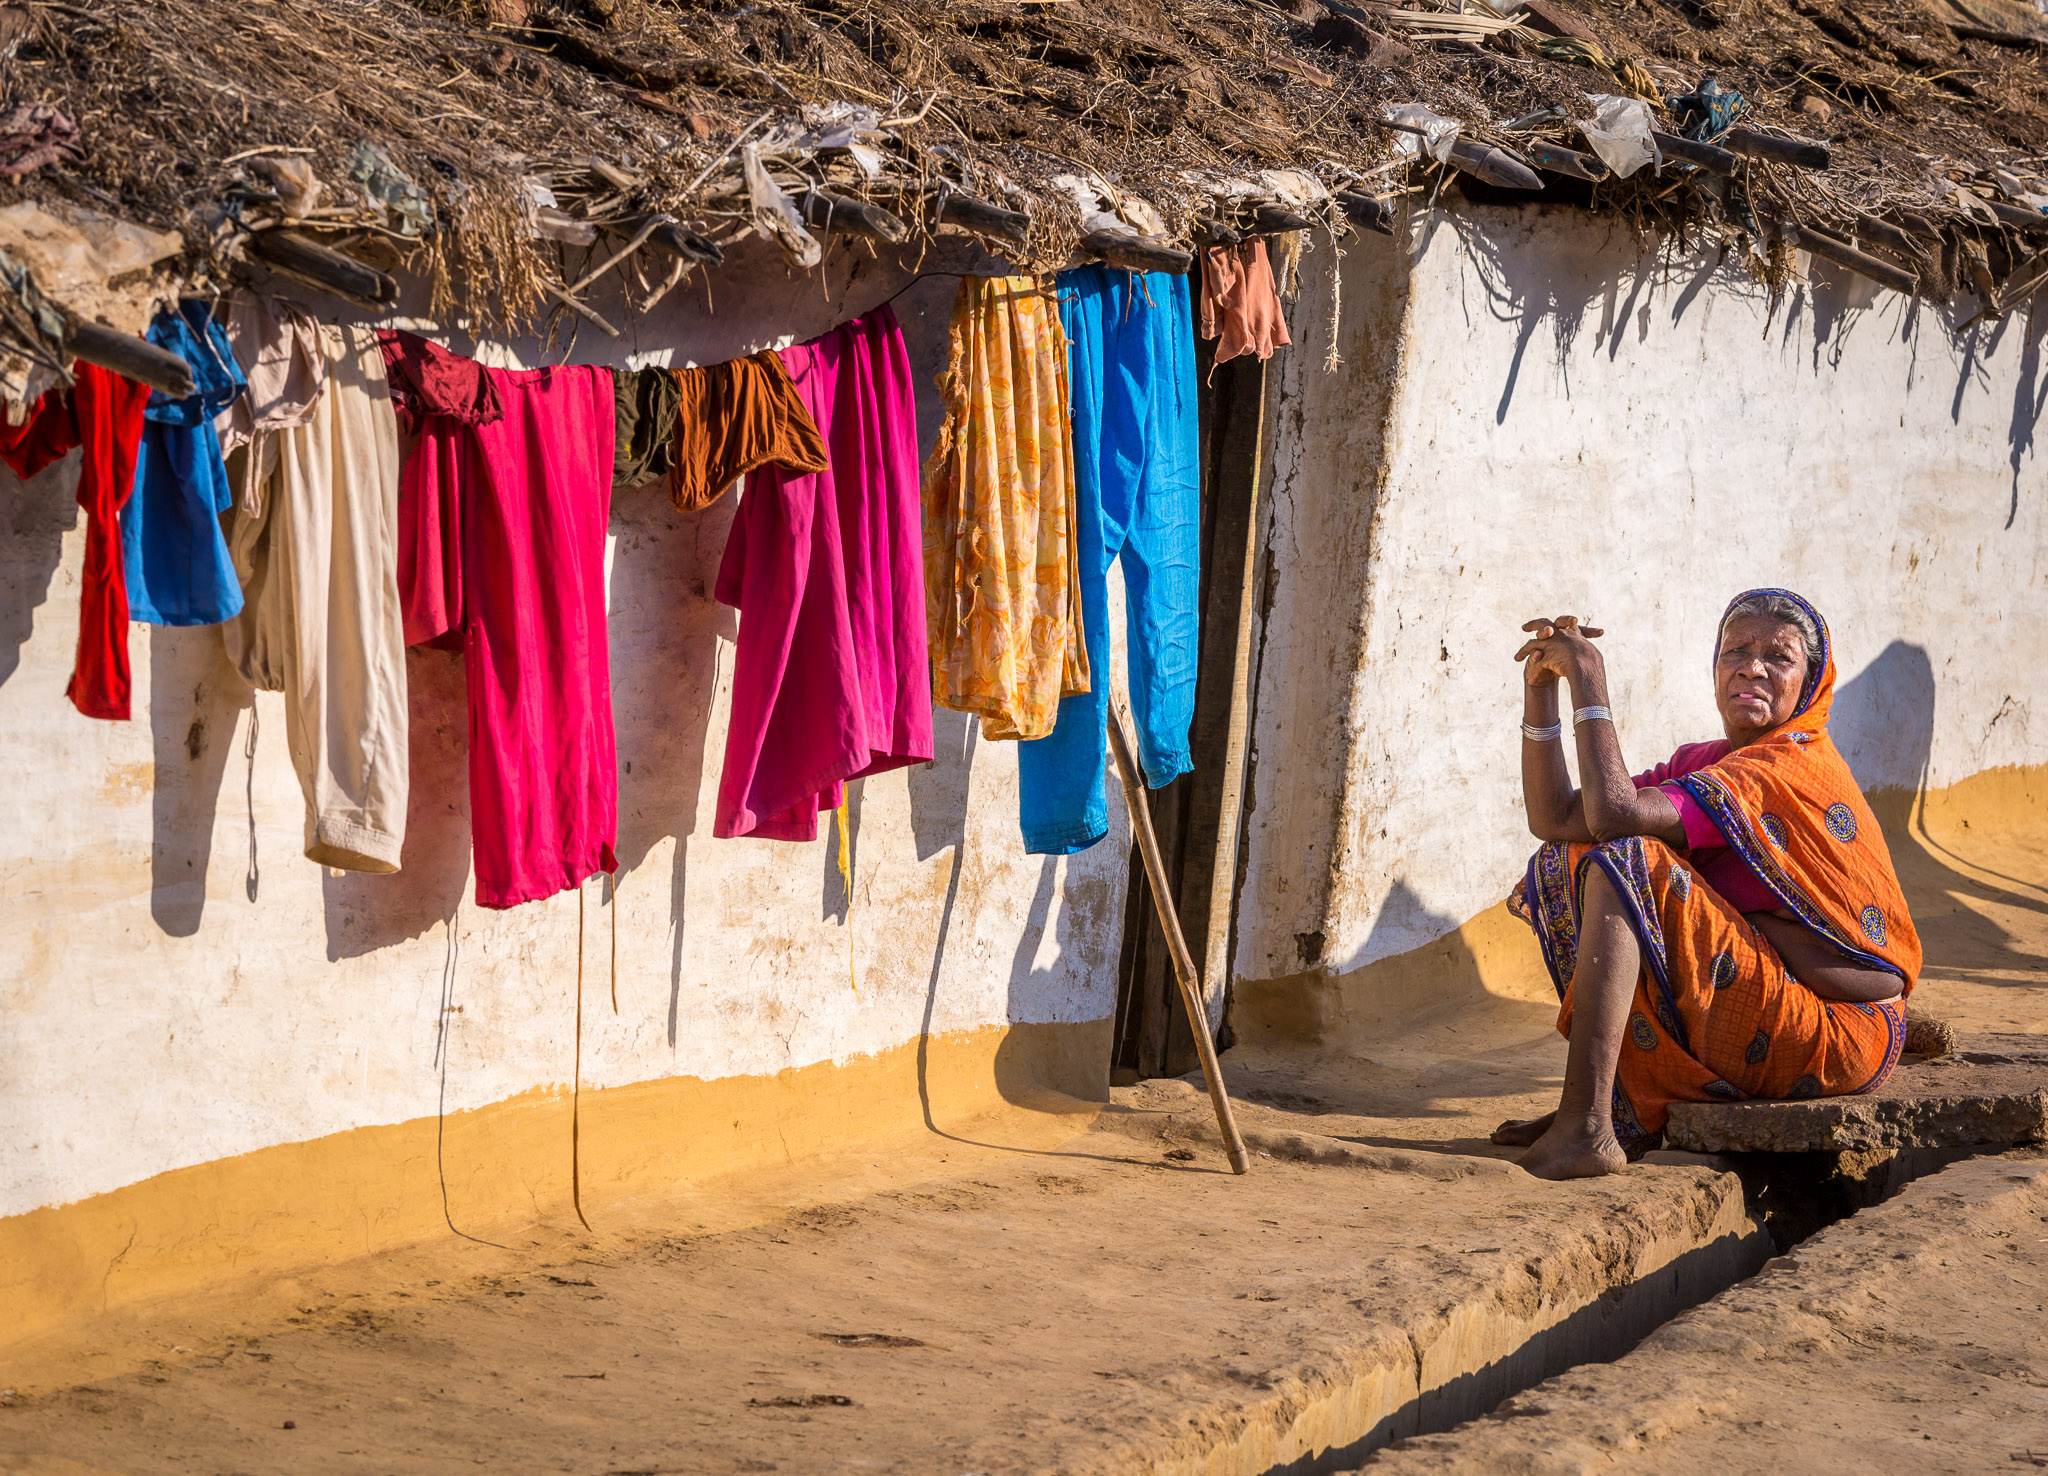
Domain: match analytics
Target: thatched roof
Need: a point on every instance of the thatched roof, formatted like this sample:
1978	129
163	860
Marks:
437	130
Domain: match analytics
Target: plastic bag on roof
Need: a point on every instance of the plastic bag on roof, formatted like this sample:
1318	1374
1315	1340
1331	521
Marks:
855	128
1104	208
1708	111
1437	135
840	125
775	214
1293	187
1620	133
387	185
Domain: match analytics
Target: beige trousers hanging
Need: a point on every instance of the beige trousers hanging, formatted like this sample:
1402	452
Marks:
315	543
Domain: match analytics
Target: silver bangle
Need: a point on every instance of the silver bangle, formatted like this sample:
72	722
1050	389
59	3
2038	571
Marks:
1543	735
1582	716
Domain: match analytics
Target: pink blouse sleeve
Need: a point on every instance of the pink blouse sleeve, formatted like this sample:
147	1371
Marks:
1700	830
1689	758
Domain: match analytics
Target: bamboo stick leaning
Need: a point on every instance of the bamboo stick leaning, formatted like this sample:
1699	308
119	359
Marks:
1169	924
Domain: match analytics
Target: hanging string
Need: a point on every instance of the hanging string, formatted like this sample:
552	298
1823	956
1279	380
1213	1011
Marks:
846	881
611	907
1332	357
918	280
449	962
250	882
576	1090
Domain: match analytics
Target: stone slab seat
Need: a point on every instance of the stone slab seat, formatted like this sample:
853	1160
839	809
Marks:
1992	1092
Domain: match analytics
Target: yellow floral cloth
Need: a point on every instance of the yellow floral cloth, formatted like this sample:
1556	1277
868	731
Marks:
1001	556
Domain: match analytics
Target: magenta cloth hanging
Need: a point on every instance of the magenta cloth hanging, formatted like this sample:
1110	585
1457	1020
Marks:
503	507
830	682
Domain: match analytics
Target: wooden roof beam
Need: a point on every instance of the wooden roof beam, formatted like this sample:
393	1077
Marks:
848	216
1689	151
301	256
129	356
1800	153
1842	254
981	218
1136	253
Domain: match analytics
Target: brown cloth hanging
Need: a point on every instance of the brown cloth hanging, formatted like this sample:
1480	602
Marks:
644	403
731	418
1239	302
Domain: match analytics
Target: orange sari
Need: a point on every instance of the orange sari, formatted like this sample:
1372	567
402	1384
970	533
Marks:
1716	1016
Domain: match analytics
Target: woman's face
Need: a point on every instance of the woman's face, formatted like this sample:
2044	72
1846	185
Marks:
1757	675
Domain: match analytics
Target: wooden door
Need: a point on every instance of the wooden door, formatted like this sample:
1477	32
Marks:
1197	813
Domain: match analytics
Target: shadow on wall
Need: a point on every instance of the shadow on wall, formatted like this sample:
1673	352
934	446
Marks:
195	696
1431	967
665	640
1421	967
1527	287
670	640
1884	724
365	911
1403	922
1883	720
40	512
938	819
2029	398
1033	1058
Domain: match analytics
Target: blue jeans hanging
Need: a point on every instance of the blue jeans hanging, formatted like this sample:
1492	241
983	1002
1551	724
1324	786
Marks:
1131	370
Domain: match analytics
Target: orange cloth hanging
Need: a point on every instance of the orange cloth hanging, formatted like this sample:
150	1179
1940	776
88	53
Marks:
1001	551
1240	304
733	418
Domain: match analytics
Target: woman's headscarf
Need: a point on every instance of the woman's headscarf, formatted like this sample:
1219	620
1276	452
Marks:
1817	694
1788	805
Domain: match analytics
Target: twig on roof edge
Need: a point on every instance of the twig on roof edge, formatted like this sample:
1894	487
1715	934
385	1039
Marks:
587	314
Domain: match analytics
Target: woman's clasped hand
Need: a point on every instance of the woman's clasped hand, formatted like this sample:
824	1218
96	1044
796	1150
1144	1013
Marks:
1559	648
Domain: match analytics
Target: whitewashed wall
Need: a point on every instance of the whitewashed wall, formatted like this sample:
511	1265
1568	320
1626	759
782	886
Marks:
178	984
1536	418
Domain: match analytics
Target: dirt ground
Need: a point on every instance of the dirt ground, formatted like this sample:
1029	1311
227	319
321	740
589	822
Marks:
1085	1310
1123	1303
1905	1338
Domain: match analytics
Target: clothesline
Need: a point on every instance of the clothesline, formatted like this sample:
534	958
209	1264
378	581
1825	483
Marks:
329	495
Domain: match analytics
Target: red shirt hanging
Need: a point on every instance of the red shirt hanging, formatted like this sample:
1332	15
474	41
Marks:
102	413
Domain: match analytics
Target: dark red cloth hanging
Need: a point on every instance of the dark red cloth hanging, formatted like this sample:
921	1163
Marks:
46	435
503	507
102	413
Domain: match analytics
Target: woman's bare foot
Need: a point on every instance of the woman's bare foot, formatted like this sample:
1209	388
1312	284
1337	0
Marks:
1520	1132
1584	1149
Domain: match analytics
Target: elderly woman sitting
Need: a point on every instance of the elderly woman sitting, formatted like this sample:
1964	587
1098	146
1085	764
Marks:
1728	925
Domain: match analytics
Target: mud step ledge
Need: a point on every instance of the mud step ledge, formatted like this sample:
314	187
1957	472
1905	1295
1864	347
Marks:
1993	1093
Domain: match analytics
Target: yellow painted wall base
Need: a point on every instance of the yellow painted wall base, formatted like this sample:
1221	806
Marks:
302	1205
1493	955
1944	844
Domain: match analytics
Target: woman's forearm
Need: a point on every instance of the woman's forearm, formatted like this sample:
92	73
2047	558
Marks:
1612	805
1547	794
1607	806
1821	967
1607	792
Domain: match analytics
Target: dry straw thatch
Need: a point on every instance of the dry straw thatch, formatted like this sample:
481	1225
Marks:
212	118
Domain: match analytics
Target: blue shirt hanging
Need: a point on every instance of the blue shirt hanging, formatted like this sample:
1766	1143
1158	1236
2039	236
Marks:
176	558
